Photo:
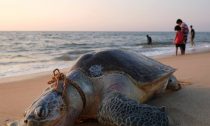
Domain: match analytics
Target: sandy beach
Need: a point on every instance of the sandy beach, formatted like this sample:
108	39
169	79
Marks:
186	107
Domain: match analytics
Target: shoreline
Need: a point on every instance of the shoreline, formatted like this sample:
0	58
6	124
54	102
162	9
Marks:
190	50
17	93
29	76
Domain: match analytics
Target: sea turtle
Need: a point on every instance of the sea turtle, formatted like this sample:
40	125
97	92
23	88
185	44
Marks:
111	86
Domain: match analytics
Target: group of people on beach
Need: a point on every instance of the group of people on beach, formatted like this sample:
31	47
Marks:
181	36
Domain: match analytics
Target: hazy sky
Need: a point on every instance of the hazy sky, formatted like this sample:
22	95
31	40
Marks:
102	15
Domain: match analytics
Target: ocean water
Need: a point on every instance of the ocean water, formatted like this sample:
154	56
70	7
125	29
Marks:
32	52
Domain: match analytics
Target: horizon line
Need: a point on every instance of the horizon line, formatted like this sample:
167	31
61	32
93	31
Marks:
84	31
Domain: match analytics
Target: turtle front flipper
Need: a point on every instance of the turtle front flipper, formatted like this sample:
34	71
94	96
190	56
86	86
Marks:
118	110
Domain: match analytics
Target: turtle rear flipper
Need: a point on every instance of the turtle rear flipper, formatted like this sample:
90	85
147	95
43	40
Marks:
118	110
173	84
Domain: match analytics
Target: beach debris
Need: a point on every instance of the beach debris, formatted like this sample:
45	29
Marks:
185	83
111	86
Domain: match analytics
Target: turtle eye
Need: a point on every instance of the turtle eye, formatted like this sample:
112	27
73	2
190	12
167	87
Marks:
40	112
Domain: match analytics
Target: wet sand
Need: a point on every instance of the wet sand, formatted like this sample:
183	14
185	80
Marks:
186	107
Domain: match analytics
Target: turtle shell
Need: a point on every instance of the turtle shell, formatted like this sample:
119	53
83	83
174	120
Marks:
139	67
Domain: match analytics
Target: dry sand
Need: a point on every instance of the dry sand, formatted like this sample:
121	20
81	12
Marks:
189	106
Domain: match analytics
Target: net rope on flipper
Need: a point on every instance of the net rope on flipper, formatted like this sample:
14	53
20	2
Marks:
58	76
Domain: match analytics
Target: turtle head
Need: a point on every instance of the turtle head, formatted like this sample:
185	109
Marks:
173	83
48	110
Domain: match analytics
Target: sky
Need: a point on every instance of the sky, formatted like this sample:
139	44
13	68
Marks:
102	15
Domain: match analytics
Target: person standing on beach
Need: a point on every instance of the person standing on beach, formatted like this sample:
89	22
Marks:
149	40
179	40
192	35
185	30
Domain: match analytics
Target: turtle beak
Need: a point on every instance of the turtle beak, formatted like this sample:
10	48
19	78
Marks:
16	123
30	122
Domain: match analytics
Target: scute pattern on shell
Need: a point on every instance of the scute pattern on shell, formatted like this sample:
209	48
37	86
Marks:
95	70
